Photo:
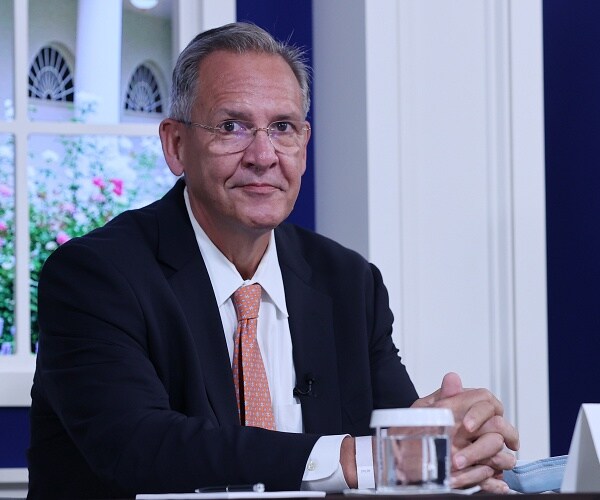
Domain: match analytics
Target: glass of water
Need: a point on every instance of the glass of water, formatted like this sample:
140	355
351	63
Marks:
413	449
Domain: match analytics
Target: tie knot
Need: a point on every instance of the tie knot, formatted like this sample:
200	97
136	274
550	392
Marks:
246	300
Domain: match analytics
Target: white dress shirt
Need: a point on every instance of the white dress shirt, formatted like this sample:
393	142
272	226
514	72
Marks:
323	470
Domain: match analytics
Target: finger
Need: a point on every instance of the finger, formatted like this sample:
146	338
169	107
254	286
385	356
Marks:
471	476
476	405
478	414
494	485
501	426
501	461
451	385
478	451
504	460
427	401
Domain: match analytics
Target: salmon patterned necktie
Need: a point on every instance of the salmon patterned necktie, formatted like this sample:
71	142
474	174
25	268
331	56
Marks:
249	376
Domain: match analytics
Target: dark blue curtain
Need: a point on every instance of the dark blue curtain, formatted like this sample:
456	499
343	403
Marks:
289	21
14	436
572	117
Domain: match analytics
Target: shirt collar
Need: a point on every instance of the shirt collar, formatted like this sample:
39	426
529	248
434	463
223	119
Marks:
268	274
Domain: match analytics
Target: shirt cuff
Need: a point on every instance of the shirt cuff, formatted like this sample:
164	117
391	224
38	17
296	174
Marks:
323	470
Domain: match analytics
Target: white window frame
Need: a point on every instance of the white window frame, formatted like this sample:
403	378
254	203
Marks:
190	17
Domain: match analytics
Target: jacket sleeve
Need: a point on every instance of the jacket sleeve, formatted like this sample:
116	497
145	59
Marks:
391	384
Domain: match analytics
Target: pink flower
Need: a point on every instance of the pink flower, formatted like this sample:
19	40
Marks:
98	198
5	190
98	181
118	186
3	226
62	237
68	207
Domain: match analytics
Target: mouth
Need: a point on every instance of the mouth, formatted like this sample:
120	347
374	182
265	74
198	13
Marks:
258	188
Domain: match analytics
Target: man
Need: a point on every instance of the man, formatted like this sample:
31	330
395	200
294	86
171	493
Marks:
141	326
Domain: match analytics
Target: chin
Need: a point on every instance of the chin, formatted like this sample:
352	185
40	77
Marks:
267	219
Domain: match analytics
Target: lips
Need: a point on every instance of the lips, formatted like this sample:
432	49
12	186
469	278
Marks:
259	188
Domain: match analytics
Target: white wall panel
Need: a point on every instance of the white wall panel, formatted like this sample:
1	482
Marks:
418	167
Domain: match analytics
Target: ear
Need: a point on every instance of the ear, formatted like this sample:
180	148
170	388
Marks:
305	152
172	144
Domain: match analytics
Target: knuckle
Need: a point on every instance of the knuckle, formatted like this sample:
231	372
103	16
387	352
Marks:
498	422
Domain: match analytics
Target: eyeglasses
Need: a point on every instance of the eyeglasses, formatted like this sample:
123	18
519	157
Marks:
234	136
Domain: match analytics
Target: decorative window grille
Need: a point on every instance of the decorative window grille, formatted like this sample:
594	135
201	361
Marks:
50	77
143	93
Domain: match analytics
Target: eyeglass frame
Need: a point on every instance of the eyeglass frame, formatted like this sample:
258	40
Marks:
215	130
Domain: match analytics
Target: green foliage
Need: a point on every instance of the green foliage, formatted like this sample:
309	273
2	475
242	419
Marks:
75	183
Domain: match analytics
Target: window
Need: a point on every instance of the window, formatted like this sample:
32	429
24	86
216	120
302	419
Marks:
50	76
7	244
62	170
59	126
143	93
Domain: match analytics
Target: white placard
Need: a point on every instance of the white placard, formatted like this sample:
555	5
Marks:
582	473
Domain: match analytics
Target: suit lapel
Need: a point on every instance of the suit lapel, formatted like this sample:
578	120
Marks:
310	319
311	328
190	282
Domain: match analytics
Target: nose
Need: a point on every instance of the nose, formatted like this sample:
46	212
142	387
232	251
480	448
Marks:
260	153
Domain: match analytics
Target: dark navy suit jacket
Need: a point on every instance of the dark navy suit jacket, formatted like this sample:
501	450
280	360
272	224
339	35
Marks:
133	389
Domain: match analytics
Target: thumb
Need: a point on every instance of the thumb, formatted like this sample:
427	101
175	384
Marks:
451	385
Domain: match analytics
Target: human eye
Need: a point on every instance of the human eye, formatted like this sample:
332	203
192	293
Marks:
232	127
284	127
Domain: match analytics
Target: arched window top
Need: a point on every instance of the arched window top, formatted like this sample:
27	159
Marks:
50	77
143	93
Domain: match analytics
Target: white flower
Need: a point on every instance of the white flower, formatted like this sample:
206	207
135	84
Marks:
152	145
50	156
125	143
143	202
163	180
85	191
83	166
80	218
9	110
9	263
121	200
7	153
51	245
118	167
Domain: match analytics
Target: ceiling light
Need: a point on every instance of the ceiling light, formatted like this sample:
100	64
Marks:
144	4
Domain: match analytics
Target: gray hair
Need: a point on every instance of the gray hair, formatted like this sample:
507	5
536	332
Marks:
235	37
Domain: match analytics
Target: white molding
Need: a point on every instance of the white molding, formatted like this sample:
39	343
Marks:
383	153
500	207
531	349
20	131
193	16
16	378
14	483
14	475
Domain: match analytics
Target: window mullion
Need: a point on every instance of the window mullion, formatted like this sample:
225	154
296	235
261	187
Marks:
23	356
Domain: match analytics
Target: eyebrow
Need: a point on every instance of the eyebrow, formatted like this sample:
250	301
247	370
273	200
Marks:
234	114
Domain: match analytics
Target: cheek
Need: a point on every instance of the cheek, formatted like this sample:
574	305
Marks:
294	169
210	172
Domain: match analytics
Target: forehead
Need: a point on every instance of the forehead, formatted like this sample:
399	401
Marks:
251	82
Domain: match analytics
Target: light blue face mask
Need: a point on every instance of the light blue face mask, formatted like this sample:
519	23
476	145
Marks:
537	476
